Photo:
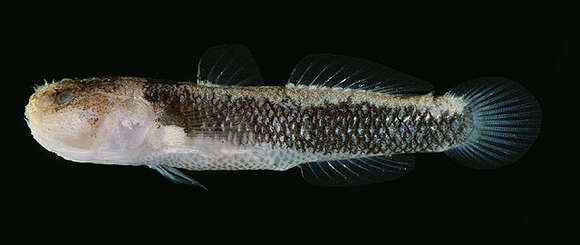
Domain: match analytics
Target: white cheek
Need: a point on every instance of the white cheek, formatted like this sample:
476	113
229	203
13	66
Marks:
121	136
120	131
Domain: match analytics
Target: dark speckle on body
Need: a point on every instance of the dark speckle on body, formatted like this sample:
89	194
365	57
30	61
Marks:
345	127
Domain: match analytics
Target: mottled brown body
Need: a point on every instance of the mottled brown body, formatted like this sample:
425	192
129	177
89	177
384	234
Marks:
343	121
326	121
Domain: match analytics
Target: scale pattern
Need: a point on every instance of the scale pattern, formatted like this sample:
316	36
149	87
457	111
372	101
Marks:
347	128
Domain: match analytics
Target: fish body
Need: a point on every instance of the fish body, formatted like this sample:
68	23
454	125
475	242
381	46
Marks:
343	121
277	128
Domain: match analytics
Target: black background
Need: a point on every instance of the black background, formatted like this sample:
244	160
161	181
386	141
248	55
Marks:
440	202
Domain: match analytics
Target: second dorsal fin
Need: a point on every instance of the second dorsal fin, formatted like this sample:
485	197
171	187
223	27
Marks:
230	65
336	71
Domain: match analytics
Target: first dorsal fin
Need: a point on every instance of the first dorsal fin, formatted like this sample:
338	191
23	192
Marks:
358	171
336	71
230	65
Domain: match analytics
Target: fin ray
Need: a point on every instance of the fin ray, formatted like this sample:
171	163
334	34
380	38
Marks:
357	171
176	176
229	65
506	118
335	71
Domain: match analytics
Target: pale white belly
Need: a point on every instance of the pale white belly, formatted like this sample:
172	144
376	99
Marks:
170	146
262	157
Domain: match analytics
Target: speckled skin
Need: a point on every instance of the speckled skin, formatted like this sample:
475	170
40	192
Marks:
209	127
201	126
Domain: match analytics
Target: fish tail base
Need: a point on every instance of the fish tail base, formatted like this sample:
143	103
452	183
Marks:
506	122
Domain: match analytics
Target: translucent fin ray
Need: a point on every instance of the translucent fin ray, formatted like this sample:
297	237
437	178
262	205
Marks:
335	71
506	118
176	176
230	65
358	171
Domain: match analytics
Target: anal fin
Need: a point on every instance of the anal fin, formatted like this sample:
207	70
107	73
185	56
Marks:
357	171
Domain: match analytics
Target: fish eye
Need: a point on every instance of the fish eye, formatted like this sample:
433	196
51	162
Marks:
64	96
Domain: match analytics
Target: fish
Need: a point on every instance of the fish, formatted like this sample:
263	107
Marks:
342	121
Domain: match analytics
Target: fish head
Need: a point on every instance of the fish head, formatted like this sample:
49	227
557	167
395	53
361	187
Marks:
91	120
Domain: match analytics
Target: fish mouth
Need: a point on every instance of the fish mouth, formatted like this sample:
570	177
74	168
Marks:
62	149
27	121
27	112
30	109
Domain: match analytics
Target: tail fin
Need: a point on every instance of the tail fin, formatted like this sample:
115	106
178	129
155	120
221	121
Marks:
506	121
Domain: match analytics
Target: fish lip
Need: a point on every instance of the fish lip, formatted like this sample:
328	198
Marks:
26	113
40	136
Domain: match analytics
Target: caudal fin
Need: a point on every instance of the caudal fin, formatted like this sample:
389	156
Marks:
506	121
